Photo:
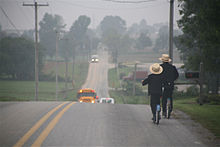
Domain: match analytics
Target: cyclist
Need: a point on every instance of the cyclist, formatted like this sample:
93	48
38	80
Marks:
170	74
154	82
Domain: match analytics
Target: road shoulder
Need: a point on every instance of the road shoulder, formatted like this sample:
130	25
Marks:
197	129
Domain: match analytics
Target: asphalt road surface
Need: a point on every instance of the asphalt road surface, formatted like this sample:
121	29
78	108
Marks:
74	124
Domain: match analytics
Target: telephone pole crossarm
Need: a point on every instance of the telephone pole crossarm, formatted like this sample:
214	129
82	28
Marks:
25	4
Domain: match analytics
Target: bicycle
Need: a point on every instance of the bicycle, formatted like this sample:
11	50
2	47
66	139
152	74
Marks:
157	118
168	108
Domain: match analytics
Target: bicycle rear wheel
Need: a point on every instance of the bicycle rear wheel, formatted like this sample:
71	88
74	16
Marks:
168	108
157	117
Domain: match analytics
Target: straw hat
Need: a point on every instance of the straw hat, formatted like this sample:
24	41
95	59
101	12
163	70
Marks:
156	68
165	58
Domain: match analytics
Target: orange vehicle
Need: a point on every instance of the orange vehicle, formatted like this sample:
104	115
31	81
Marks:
87	95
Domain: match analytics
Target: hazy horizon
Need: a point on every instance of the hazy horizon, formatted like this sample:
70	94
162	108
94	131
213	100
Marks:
154	11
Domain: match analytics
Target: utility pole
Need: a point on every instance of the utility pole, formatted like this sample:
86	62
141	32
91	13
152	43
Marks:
36	46
134	80
171	31
66	63
201	81
57	38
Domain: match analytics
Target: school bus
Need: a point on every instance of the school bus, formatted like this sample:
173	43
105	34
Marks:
87	95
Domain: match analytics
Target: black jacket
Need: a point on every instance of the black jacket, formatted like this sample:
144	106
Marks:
170	74
154	82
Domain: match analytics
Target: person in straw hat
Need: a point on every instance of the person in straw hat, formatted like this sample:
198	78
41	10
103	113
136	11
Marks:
170	74
154	81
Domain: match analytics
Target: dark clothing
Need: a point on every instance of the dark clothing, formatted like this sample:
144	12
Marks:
167	93
154	82
170	74
154	101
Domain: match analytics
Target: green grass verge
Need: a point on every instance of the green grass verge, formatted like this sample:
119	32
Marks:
120	96
113	78
207	115
25	90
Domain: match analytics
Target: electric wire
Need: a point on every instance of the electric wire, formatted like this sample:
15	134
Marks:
27	18
106	9
9	19
131	2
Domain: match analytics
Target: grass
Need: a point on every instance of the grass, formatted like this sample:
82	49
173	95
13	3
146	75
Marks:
120	96
207	115
113	80
25	90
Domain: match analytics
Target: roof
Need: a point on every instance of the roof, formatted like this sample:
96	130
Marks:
140	75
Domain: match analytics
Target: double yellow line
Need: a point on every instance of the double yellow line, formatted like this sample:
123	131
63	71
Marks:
47	130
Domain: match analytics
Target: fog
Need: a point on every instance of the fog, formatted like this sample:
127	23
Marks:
154	11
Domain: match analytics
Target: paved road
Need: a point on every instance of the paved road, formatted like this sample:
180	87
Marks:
75	124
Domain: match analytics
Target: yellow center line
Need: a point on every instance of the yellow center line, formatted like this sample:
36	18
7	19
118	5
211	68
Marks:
51	125
21	142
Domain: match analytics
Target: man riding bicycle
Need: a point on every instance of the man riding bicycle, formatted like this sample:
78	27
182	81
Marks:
170	74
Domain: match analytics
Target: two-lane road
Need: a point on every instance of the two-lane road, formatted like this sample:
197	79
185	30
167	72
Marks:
75	124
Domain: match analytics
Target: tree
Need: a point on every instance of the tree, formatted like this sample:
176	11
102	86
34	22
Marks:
77	36
143	41
47	33
163	39
17	58
200	41
78	31
2	33
28	34
113	23
113	28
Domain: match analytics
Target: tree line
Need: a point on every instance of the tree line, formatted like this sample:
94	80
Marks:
200	40
17	52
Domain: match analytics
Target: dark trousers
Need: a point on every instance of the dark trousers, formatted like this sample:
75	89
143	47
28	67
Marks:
154	101
167	93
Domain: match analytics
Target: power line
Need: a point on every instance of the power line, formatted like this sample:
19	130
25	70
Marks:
9	19
105	9
131	2
24	14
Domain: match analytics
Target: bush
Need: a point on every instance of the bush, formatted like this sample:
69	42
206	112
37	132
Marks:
192	91
122	75
128	86
213	99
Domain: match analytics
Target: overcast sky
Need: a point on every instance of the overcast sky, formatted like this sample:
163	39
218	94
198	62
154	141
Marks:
153	11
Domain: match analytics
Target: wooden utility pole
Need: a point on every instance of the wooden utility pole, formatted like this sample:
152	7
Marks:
57	39
36	5
201	81
134	80
171	31
66	74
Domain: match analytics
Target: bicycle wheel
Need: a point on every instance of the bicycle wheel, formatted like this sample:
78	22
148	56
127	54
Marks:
158	117
158	114
168	108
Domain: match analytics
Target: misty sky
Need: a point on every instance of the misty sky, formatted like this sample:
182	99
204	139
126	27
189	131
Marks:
154	11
